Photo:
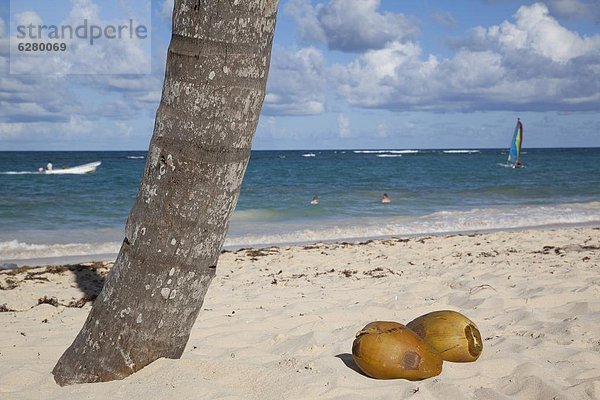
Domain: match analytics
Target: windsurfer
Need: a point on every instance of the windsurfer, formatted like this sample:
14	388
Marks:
518	163
514	154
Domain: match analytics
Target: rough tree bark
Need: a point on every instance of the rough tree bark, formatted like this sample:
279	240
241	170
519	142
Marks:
214	87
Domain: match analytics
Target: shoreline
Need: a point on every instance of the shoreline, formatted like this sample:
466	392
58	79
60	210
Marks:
109	257
279	322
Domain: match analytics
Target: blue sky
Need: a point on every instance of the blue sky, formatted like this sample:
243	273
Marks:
348	74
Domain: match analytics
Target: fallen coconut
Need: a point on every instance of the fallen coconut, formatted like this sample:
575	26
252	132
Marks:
389	350
453	335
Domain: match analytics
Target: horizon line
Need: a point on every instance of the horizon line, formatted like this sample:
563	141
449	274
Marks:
332	149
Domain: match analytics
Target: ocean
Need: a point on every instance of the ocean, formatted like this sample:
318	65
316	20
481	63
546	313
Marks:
45	218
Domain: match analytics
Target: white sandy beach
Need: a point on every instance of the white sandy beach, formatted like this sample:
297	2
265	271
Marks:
278	323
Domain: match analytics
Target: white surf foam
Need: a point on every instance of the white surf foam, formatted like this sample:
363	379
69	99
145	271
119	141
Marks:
461	151
488	219
16	250
385	151
263	230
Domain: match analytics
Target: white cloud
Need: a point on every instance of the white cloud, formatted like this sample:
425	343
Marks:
343	126
537	31
268	130
31	98
123	55
84	9
531	64
72	126
382	131
11	130
77	126
469	71
305	15
350	25
296	84
28	17
125	129
376	77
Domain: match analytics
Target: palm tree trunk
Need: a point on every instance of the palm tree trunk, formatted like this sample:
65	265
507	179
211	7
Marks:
214	87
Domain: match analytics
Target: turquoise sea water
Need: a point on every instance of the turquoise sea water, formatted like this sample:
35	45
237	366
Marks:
432	191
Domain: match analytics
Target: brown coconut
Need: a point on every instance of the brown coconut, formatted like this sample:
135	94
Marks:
453	335
389	350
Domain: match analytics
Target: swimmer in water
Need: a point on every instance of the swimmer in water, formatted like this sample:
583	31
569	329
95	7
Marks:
385	199
314	200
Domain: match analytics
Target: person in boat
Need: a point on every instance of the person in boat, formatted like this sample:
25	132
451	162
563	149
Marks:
518	164
385	199
315	200
49	166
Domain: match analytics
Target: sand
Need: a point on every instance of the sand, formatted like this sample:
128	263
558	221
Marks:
278	323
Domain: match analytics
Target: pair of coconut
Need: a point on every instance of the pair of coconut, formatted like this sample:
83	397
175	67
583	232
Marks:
390	350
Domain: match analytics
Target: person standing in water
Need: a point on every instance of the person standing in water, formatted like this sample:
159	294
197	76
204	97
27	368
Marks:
385	199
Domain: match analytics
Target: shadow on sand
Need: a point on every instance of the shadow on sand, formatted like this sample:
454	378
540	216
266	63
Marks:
89	280
89	277
347	359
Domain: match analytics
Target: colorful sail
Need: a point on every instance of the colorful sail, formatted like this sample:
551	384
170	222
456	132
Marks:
517	141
